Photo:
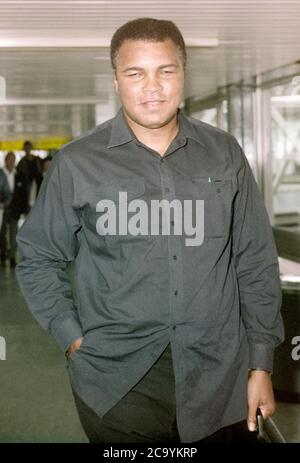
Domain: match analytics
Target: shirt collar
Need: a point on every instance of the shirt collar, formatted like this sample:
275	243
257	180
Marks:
187	129
9	173
121	133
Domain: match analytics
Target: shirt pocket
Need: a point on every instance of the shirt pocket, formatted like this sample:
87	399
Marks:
217	193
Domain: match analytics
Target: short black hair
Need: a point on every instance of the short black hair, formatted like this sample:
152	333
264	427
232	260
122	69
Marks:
148	29
27	143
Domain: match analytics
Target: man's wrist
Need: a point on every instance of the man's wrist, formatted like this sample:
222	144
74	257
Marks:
261	370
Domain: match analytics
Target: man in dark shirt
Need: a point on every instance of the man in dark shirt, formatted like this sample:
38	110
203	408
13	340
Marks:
177	309
29	168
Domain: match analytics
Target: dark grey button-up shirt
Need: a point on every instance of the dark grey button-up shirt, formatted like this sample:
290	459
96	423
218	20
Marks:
216	298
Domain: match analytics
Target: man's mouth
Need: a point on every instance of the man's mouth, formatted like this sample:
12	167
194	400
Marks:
153	102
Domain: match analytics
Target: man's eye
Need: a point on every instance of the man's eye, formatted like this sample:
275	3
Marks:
134	74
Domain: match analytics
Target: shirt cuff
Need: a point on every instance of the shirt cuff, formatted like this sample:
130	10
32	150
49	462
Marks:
66	331
261	357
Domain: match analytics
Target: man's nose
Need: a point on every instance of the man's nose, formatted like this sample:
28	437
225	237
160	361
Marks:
152	85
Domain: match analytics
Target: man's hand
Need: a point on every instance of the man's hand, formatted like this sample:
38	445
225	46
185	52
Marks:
260	395
74	346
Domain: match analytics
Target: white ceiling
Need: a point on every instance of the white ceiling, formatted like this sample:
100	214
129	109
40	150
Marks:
57	50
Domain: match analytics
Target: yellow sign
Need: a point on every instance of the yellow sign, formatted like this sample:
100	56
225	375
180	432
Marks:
39	144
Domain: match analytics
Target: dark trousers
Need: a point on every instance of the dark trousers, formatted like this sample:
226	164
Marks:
9	227
147	413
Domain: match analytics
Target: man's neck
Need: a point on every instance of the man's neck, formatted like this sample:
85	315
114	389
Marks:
157	139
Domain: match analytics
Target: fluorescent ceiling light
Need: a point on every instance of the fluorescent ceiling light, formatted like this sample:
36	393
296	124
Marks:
40	40
50	42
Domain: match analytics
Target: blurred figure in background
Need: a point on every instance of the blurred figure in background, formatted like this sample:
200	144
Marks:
45	165
30	168
8	180
16	206
4	196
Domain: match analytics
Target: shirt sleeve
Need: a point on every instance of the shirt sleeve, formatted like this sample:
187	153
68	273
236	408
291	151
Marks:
48	243
257	269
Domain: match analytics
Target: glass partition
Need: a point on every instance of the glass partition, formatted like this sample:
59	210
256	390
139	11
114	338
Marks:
285	150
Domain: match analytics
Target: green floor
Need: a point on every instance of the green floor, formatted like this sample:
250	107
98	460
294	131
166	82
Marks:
36	402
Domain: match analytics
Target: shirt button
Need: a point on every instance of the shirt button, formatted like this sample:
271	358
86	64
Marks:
176	292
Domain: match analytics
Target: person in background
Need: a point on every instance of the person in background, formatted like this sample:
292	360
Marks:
5	198
45	165
12	211
171	337
30	168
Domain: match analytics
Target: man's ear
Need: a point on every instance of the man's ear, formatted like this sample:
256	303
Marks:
116	84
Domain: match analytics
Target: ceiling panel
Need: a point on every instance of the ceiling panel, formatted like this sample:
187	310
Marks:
59	49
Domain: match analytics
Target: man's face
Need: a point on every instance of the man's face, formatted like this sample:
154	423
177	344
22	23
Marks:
149	81
27	148
10	162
